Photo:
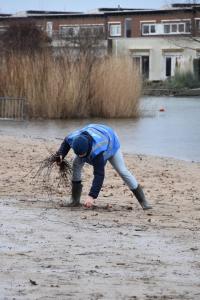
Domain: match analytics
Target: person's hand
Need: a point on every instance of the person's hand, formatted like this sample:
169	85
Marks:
59	160
89	202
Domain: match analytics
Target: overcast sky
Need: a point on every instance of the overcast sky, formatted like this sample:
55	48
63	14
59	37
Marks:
12	6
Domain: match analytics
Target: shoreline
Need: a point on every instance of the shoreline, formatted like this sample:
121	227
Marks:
185	92
25	153
57	142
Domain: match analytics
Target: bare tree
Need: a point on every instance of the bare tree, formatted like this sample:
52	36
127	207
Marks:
23	36
83	41
83	46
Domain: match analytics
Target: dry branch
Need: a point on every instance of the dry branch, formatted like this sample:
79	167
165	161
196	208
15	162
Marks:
62	170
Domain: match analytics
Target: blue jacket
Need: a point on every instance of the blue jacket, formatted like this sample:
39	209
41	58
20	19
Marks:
104	140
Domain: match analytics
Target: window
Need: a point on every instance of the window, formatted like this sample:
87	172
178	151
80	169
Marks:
166	28
198	25
49	28
115	29
174	28
92	30
145	29
153	29
97	30
145	67
68	31
172	63
142	63
148	29
137	62
177	28
128	27
168	66
188	27
181	27
84	30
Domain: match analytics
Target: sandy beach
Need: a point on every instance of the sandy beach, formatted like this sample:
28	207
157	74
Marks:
115	251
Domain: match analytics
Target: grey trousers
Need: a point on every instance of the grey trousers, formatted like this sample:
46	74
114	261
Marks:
117	161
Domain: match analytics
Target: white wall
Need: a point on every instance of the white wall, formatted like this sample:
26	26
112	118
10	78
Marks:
158	48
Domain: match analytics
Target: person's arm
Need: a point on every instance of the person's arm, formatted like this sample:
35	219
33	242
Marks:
64	148
99	173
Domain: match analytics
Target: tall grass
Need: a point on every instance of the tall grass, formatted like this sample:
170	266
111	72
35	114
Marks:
64	88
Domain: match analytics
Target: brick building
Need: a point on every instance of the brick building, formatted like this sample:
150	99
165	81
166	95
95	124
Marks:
159	41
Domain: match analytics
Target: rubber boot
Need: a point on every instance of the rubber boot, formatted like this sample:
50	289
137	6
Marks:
76	193
139	194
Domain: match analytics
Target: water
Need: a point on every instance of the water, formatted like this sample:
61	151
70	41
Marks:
172	133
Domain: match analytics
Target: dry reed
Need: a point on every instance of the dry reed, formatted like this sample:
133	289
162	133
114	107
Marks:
64	88
116	88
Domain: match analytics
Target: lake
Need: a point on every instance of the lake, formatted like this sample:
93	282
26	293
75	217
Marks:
173	132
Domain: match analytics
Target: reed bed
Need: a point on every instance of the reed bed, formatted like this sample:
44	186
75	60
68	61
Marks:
66	88
116	88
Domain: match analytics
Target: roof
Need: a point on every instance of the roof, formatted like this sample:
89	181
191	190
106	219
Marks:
101	12
119	8
5	15
154	11
46	12
43	13
182	5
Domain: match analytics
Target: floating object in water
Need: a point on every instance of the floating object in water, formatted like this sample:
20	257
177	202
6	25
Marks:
162	109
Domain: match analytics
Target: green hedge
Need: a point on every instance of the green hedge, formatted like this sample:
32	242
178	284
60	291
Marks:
184	80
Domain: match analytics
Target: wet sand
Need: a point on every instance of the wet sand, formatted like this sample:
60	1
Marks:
53	252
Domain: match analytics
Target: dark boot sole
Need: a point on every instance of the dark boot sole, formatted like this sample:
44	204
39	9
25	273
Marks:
71	205
147	207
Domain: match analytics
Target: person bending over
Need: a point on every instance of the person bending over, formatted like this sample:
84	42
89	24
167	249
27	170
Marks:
96	144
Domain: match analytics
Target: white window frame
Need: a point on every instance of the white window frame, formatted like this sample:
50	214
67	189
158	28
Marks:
184	28
149	26
127	19
175	32
174	57
76	28
197	23
113	26
175	20
174	28
159	28
139	57
49	28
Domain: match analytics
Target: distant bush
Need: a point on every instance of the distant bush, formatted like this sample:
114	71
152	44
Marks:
183	80
196	66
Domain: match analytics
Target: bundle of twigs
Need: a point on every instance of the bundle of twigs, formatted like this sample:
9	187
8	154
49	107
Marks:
63	167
